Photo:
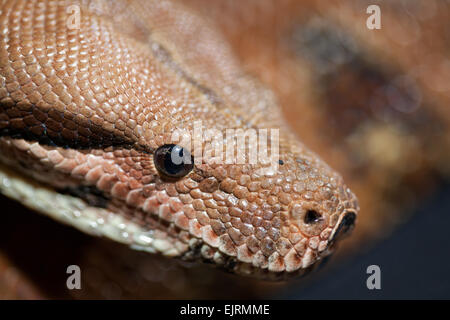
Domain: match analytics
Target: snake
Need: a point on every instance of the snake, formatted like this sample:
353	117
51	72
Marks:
91	93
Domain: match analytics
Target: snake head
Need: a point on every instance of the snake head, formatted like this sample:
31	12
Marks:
87	116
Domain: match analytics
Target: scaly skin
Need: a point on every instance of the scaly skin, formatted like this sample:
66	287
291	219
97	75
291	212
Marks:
83	110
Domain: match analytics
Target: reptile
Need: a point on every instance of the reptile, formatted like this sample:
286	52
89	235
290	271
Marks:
90	95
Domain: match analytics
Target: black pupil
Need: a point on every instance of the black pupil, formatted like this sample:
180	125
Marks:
173	160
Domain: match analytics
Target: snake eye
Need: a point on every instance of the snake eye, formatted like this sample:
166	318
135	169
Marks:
173	161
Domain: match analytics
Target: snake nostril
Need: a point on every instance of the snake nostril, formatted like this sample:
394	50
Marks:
312	216
348	221
346	224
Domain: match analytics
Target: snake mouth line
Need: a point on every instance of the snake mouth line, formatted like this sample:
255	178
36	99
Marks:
247	269
199	251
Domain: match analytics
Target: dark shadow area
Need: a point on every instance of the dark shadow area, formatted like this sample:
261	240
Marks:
40	247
